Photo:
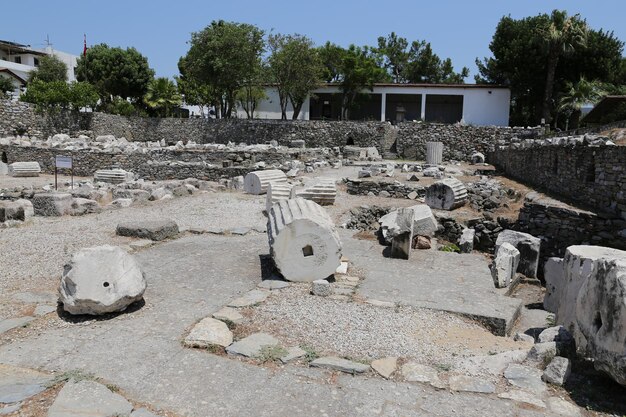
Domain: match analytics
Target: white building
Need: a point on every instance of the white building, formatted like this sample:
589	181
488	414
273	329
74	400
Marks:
17	61
481	105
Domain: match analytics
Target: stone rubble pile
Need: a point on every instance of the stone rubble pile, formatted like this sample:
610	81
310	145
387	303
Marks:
489	194
581	140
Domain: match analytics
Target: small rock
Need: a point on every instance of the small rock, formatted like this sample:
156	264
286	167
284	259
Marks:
421	242
525	377
252	345
555	334
321	288
542	351
385	366
209	332
141	244
293	353
88	398
151	229
557	371
523	397
249	299
340	364
471	384
523	337
342	268
228	314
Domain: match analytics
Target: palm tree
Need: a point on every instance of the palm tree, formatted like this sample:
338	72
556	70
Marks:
162	95
562	36
576	96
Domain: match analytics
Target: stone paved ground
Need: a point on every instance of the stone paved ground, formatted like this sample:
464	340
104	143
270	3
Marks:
140	354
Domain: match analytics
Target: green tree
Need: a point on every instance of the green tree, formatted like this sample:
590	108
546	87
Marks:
194	92
393	50
359	71
576	95
115	72
295	68
331	56
83	94
162	95
562	36
249	97
48	96
50	69
224	56
6	86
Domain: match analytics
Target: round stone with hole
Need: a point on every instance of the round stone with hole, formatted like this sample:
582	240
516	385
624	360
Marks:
303	240
99	280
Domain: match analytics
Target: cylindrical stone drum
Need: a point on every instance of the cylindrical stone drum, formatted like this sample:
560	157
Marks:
446	194
434	153
256	182
303	240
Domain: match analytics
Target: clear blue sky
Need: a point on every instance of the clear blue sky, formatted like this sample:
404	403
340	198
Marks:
160	29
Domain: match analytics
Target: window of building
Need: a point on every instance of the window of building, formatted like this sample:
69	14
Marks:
18	59
36	62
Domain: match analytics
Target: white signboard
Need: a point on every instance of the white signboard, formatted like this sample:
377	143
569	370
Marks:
63	161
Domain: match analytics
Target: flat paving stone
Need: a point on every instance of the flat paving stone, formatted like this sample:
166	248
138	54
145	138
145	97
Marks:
252	345
525	377
523	397
18	384
458	283
88	398
340	364
249	299
489	364
293	353
209	332
228	314
416	372
43	309
471	384
562	407
12	323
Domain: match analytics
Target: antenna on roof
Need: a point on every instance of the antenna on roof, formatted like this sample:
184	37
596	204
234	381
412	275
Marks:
48	43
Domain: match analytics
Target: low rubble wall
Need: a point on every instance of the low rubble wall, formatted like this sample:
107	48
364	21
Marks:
391	189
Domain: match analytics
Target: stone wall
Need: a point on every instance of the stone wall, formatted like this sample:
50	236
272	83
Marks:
392	189
459	141
155	165
592	176
407	139
559	226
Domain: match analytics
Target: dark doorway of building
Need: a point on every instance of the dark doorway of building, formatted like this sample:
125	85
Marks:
444	108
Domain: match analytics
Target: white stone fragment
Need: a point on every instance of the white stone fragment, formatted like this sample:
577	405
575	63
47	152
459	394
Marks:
446	194
504	265
256	182
24	169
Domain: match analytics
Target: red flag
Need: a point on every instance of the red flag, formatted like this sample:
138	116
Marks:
85	45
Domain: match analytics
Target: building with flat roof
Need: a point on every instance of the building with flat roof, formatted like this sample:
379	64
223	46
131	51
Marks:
481	105
17	61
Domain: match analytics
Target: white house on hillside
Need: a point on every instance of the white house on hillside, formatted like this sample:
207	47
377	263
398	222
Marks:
481	105
17	61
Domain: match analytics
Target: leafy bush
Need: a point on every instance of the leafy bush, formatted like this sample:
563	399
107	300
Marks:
450	247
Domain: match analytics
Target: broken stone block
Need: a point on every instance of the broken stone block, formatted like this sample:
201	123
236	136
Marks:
403	239
412	177
135	195
323	191
29	210
385	367
256	182
82	206
303	240
527	245
277	191
504	265
298	143
10	210
122	202
52	204
446	194
601	316
321	288
99	280
159	193
364	173
113	176
433	172
424	222
557	371
209	332
421	242
148	229
24	169
466	242
554	276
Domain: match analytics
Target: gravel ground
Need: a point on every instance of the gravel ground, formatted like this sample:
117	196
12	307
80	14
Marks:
32	256
364	332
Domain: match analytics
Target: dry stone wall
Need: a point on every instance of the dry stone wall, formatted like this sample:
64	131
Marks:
593	176
459	141
407	139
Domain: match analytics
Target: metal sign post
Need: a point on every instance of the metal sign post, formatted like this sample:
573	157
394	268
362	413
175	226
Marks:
65	162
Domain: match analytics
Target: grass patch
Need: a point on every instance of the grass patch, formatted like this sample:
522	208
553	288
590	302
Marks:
271	354
443	367
75	375
450	247
311	354
551	320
